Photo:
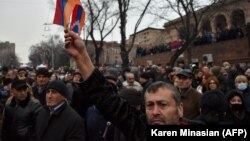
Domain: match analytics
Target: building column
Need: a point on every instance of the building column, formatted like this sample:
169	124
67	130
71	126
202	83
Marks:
228	20
212	24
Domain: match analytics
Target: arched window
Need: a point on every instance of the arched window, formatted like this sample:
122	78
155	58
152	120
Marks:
238	18
220	22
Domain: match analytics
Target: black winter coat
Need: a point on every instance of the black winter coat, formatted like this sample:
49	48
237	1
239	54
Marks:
131	122
40	95
19	119
63	125
115	109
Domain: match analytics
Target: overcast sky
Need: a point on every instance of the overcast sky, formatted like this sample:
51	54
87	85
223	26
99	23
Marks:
22	23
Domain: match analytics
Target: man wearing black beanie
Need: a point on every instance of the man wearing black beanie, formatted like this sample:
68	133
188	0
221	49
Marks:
58	121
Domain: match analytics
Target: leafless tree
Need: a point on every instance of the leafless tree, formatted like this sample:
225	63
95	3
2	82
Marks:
124	7
101	17
248	36
190	15
49	52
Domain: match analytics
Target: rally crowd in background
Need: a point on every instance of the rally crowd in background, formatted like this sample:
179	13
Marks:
110	104
203	39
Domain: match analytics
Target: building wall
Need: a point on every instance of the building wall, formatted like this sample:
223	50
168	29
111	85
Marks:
226	10
148	37
5	49
232	50
7	46
91	50
110	53
171	34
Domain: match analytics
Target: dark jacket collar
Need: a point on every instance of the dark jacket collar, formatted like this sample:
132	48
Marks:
57	111
22	103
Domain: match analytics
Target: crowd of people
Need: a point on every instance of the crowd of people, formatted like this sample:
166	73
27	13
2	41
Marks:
171	46
105	103
221	35
205	38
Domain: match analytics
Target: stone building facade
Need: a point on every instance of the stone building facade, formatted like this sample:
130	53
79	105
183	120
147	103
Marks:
233	51
110	54
148	37
232	14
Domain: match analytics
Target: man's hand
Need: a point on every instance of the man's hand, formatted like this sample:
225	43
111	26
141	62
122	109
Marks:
75	47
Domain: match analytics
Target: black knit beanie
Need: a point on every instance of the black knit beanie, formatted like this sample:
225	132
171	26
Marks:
59	86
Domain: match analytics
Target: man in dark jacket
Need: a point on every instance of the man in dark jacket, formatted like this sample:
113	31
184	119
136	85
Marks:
145	81
189	96
20	113
163	103
58	121
213	107
42	80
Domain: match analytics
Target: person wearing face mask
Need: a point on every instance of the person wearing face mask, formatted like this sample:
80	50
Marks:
241	84
237	112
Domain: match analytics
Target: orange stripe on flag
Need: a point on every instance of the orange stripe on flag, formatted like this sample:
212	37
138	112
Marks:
68	10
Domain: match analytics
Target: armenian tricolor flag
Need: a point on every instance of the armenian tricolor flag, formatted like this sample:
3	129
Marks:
63	11
78	19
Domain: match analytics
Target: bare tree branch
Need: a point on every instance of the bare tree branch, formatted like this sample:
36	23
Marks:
101	15
138	23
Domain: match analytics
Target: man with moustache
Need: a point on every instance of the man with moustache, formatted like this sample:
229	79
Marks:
162	101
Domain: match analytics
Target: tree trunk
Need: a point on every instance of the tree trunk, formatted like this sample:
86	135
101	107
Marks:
178	53
174	58
124	56
248	37
97	56
189	54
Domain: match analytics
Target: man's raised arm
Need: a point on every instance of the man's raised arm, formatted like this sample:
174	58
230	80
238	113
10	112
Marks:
75	47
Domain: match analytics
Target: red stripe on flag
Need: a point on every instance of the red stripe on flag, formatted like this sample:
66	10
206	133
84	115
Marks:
63	11
58	13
